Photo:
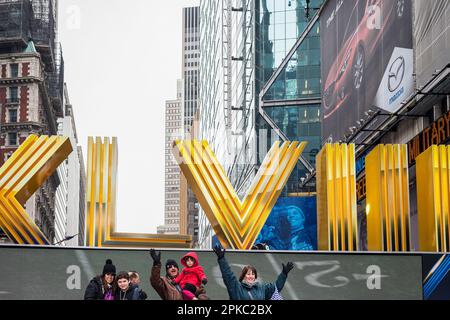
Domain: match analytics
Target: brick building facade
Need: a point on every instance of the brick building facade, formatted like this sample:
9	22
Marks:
31	89
27	108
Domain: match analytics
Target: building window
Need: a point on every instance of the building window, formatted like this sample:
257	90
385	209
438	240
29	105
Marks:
14	70
12	115
13	94
12	139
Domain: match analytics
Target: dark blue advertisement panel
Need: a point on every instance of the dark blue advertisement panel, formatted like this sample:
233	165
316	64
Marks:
292	225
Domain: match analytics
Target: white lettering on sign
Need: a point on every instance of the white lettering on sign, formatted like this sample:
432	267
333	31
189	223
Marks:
74	280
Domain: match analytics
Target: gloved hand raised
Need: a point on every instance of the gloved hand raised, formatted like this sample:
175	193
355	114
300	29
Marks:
220	252
156	256
287	268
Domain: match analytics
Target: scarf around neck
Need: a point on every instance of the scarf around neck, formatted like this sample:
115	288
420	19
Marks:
250	285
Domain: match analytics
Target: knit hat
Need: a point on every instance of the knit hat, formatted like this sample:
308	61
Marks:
171	262
109	268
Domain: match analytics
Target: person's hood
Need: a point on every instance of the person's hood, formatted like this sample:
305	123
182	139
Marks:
193	255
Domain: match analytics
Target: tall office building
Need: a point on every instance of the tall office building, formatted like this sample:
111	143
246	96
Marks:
190	71
69	209
174	131
247	94
31	89
190	65
227	92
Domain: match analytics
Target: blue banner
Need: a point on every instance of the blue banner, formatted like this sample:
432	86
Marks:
292	225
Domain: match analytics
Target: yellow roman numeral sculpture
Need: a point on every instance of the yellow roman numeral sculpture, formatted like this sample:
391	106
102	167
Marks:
101	195
236	223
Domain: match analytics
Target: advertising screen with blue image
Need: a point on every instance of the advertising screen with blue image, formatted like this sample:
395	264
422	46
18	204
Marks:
292	225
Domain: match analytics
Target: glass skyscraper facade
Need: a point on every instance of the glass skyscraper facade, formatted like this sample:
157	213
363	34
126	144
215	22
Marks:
292	99
280	23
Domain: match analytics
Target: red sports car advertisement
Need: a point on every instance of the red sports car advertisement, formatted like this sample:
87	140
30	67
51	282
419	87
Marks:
368	62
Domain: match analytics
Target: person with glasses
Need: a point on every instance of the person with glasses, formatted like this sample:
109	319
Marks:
103	287
163	284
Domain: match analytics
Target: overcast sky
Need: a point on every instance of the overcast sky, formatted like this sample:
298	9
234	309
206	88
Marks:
122	61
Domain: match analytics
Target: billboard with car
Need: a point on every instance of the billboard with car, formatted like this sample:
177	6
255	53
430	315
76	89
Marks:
367	61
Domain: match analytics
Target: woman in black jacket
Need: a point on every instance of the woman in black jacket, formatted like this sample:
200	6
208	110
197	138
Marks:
102	287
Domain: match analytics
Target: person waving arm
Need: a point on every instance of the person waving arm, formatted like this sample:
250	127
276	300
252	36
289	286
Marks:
155	274
269	288
228	276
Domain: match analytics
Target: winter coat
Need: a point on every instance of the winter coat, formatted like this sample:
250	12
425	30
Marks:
243	291
133	293
165	289
95	290
163	286
187	295
193	275
142	293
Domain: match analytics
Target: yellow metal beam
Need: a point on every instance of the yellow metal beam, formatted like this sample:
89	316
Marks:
337	224
433	199
21	175
387	202
236	223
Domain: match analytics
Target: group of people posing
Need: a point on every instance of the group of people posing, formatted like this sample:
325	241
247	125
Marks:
189	284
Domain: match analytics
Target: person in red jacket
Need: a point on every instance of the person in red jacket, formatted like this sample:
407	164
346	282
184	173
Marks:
192	273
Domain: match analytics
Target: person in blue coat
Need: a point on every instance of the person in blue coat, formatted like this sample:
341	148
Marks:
247	287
